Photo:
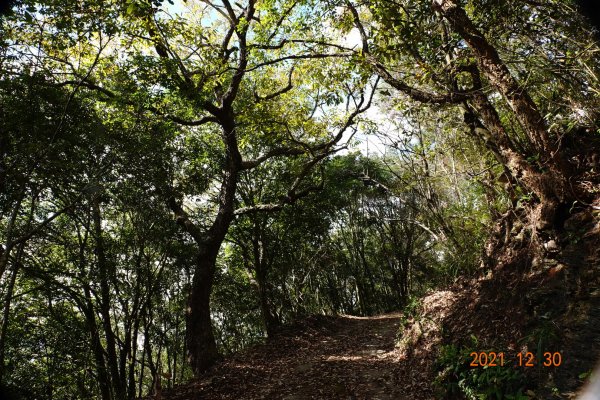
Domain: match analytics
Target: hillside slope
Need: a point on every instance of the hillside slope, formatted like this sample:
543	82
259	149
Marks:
530	302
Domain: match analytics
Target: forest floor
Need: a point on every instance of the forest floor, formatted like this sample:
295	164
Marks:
552	307
352	358
341	357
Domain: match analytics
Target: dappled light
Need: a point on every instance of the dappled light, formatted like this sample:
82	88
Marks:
299	199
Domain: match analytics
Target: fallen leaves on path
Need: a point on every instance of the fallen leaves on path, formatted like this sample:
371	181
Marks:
341	357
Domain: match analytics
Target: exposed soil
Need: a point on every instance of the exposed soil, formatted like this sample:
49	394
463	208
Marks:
342	357
346	357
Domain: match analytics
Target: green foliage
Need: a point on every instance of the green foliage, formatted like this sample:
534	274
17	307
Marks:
457	378
110	111
543	337
410	313
585	375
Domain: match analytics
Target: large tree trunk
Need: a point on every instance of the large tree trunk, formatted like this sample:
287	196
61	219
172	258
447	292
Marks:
270	320
497	73
200	340
551	186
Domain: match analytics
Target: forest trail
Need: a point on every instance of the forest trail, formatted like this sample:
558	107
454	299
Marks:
343	357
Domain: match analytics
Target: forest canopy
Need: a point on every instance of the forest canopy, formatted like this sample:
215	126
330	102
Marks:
180	179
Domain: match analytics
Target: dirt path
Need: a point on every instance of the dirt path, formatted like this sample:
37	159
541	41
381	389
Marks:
326	358
349	358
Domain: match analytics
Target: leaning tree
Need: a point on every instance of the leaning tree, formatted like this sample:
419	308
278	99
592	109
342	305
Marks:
242	84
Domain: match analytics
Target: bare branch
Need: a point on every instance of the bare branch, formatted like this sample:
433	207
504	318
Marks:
350	120
279	92
259	208
240	71
183	219
419	224
414	93
361	28
90	85
297	57
225	52
283	42
280	151
230	11
181	121
219	10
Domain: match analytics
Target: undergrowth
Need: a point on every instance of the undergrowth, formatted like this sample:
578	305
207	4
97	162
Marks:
457	379
411	314
410	311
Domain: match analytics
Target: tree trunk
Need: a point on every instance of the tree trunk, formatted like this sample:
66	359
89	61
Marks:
5	250
498	74
6	310
551	186
200	339
142	363
174	350
102	263
269	319
261	267
542	184
98	350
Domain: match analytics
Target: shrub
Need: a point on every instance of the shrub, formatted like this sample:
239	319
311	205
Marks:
458	379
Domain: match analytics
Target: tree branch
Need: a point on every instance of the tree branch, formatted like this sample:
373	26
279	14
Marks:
230	11
271	96
154	110
280	21
291	198
219	10
183	219
350	120
42	224
414	93
241	32
283	42
279	151
259	208
297	57
325	150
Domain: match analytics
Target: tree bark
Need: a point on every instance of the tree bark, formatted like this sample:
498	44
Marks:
542	184
497	73
98	350
551	187
5	250
200	340
6	309
261	268
269	319
87	308
102	263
